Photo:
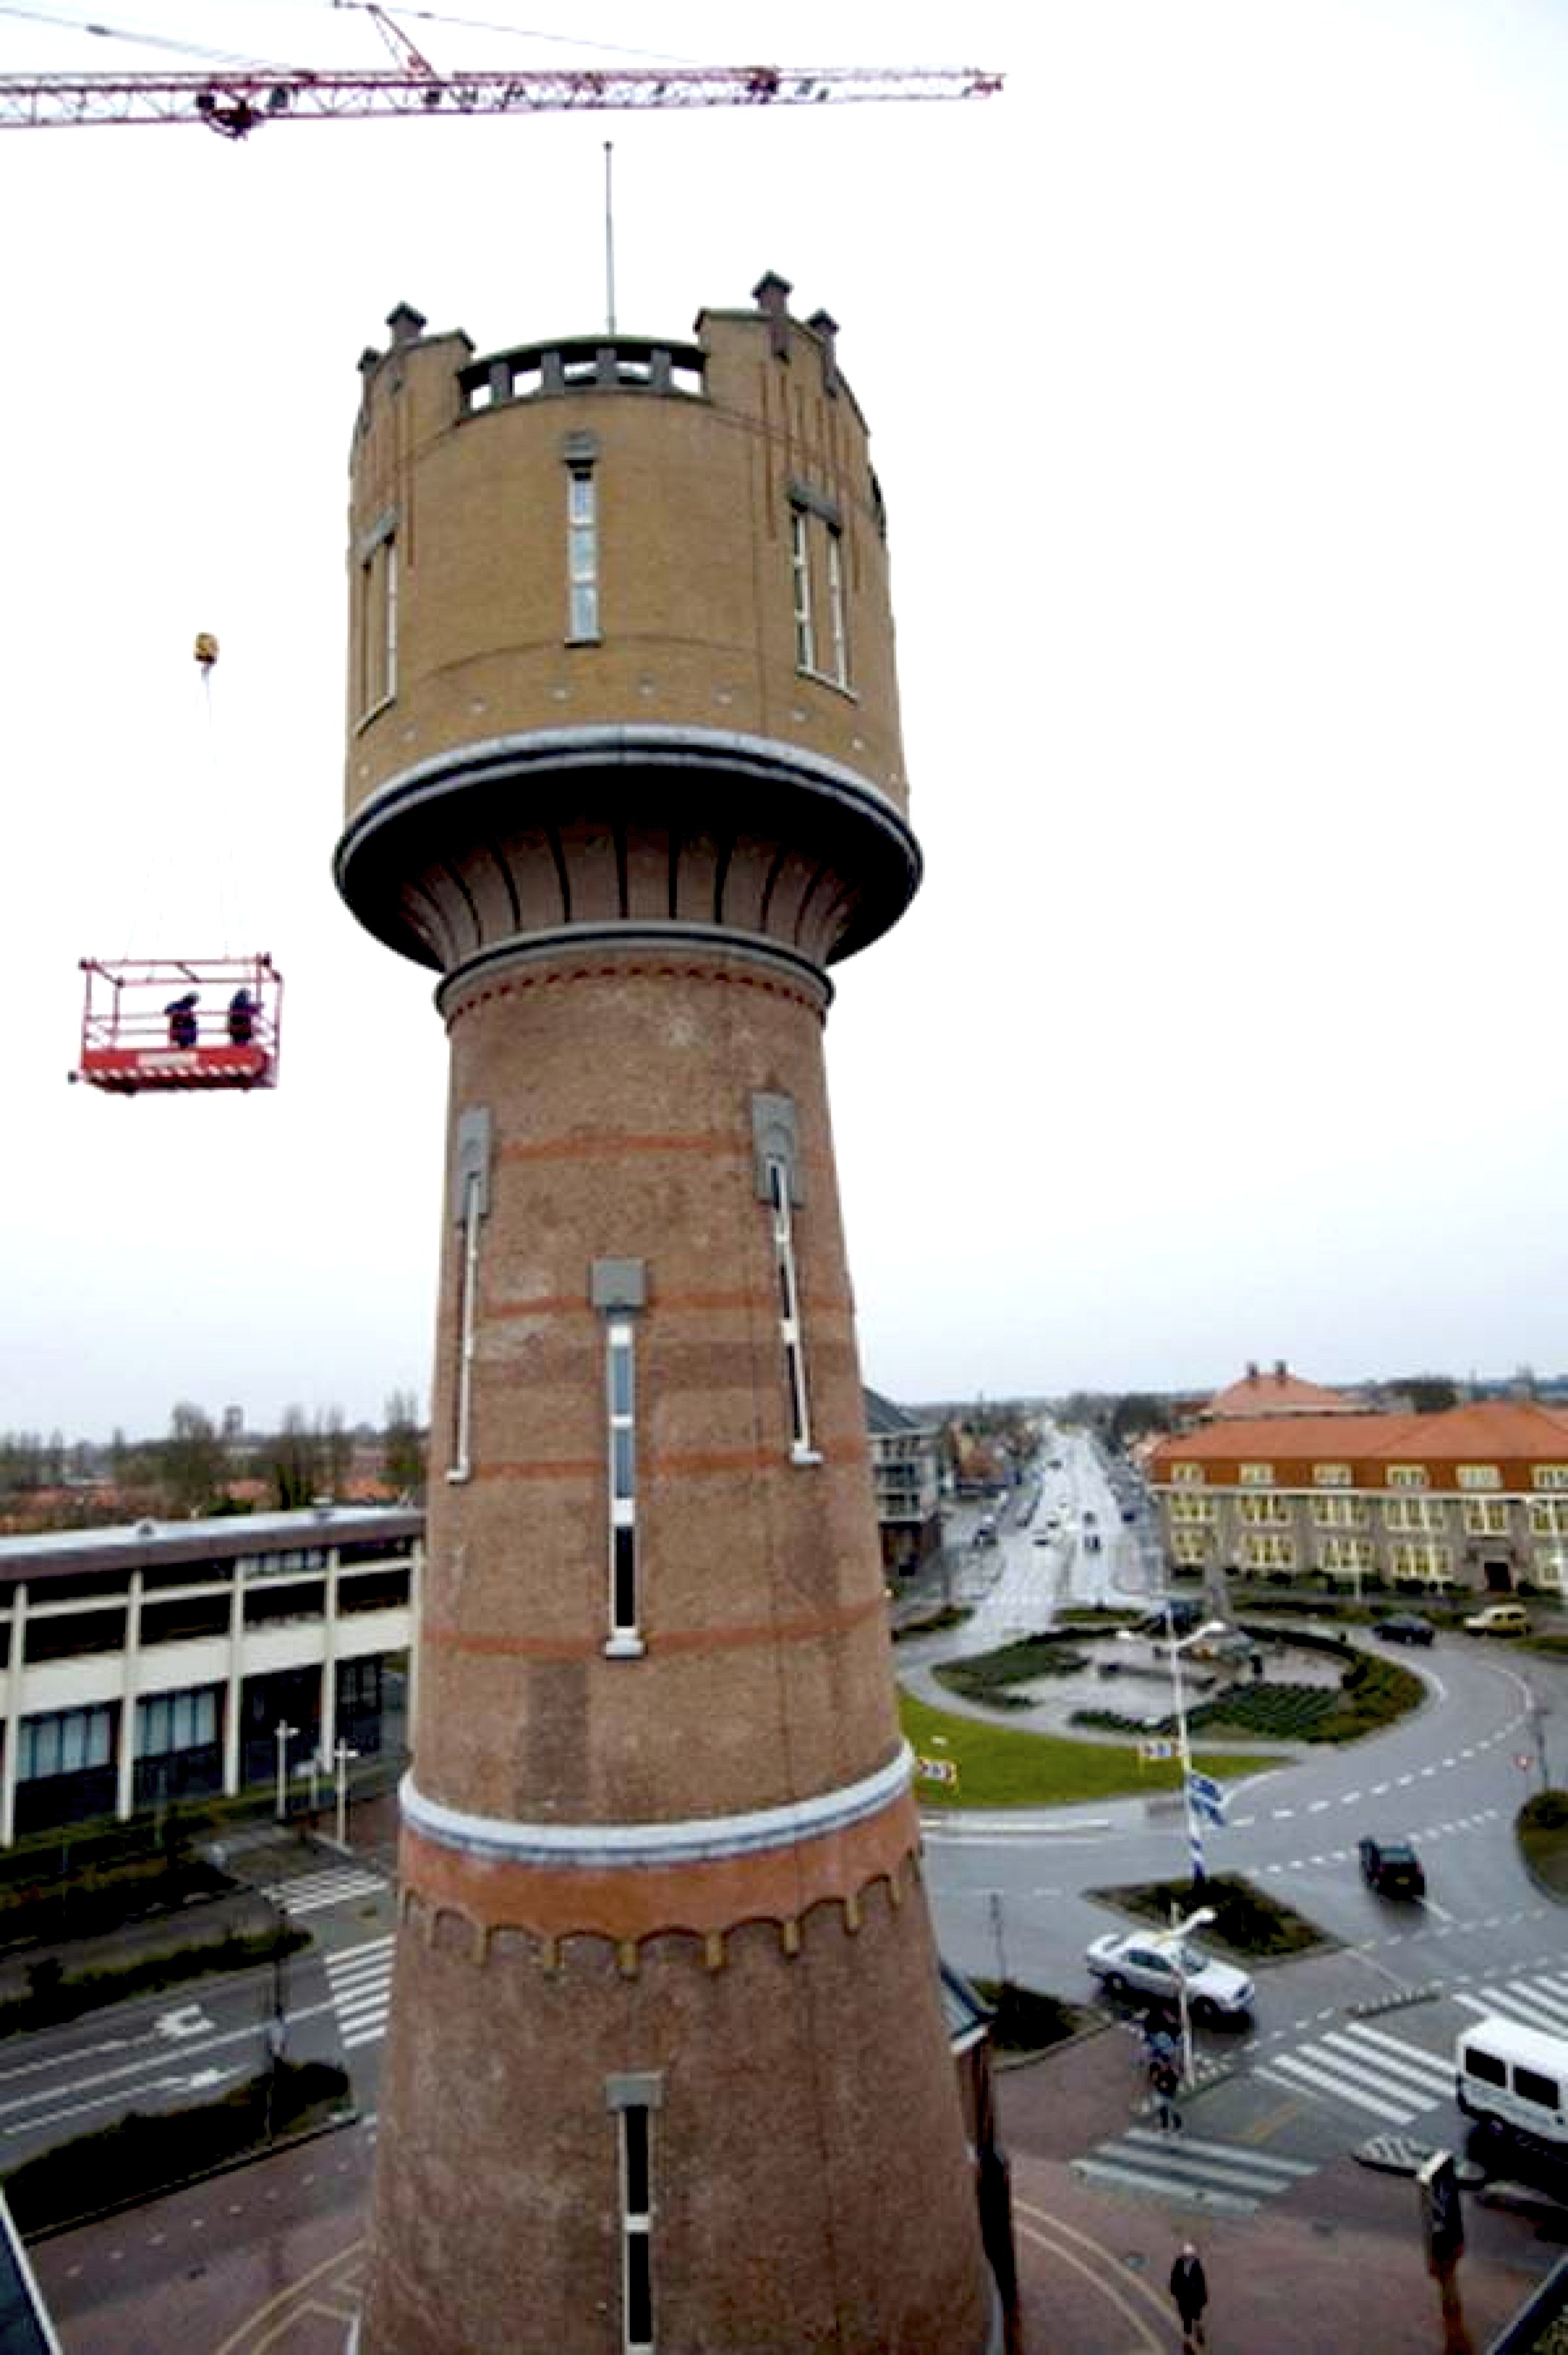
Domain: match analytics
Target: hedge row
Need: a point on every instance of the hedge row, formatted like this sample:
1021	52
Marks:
52	1998
147	2152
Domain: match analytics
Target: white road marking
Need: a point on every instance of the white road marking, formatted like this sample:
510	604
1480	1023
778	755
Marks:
1313	2076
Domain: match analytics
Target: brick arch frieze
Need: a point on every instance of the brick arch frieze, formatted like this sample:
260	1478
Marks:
447	1924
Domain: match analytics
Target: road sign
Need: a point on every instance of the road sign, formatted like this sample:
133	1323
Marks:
1150	1751
937	1770
1207	1798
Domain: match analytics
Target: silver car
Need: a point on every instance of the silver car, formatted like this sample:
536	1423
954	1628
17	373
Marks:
1143	1965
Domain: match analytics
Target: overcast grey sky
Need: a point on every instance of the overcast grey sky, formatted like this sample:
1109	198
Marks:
1217	376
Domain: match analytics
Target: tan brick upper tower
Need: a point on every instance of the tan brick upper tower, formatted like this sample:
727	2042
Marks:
667	2067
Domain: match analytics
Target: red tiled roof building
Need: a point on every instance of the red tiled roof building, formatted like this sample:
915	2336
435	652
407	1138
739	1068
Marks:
1475	1496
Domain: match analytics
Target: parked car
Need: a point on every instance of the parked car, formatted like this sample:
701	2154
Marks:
1516	2078
1392	1868
1405	1627
1499	1619
1185	1615
1144	1964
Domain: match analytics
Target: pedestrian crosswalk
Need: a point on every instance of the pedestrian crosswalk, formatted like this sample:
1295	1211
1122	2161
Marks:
360	1979
308	1892
1232	2178
1537	2002
1375	2073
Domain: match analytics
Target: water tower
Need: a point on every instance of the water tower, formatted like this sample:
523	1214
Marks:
666	2065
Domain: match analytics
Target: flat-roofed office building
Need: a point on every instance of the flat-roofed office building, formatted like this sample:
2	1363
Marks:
157	1661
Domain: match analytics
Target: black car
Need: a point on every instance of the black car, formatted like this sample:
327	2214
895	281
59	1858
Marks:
1392	1868
1405	1627
1185	1615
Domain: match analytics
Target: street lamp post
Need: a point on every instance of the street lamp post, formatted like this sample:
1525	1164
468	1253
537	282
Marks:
1184	1756
342	1754
284	1734
1176	1933
1174	1650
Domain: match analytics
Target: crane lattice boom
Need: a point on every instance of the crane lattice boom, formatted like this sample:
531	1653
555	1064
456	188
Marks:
237	102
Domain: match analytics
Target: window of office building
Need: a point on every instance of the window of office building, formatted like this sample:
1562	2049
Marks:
177	1721
1478	1476
1407	1475
1411	1560
1262	1551
68	1742
1485	1517
1415	1513
1255	1475
1331	1476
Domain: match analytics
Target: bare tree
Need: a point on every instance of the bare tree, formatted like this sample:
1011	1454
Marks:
404	1448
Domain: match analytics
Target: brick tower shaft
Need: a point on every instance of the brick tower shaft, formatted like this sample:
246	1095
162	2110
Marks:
667	2064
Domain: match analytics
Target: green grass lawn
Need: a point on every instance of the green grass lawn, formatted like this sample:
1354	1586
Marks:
1000	1767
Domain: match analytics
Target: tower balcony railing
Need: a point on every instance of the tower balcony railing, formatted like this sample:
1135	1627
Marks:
586	364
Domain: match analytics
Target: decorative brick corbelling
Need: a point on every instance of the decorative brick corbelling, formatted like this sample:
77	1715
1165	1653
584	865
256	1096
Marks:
460	999
643	1902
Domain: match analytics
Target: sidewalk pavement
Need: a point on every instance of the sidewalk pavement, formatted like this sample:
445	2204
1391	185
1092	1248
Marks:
1333	2267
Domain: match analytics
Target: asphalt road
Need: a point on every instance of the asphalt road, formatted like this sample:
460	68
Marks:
1353	2042
162	2052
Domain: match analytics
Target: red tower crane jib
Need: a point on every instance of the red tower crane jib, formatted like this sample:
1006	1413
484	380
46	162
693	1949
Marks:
234	101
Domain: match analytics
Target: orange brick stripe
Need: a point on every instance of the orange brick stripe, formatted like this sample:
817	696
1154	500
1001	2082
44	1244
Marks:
605	1143
492	1645
593	1144
684	1464
637	1902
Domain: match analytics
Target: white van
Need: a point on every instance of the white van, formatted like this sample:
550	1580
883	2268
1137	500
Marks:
1516	2077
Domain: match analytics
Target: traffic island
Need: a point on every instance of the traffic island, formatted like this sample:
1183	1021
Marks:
1245	1921
1025	2023
1541	1827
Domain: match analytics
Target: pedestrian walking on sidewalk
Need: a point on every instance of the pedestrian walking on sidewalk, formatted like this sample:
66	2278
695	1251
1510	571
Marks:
1190	2291
1165	2080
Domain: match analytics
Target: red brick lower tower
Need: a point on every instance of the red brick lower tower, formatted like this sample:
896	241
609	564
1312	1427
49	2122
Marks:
666	2066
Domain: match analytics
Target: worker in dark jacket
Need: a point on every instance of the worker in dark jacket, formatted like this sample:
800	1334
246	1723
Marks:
1190	2291
181	1012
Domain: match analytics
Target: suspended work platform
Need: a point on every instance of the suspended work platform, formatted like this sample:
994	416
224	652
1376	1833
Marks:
180	1023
